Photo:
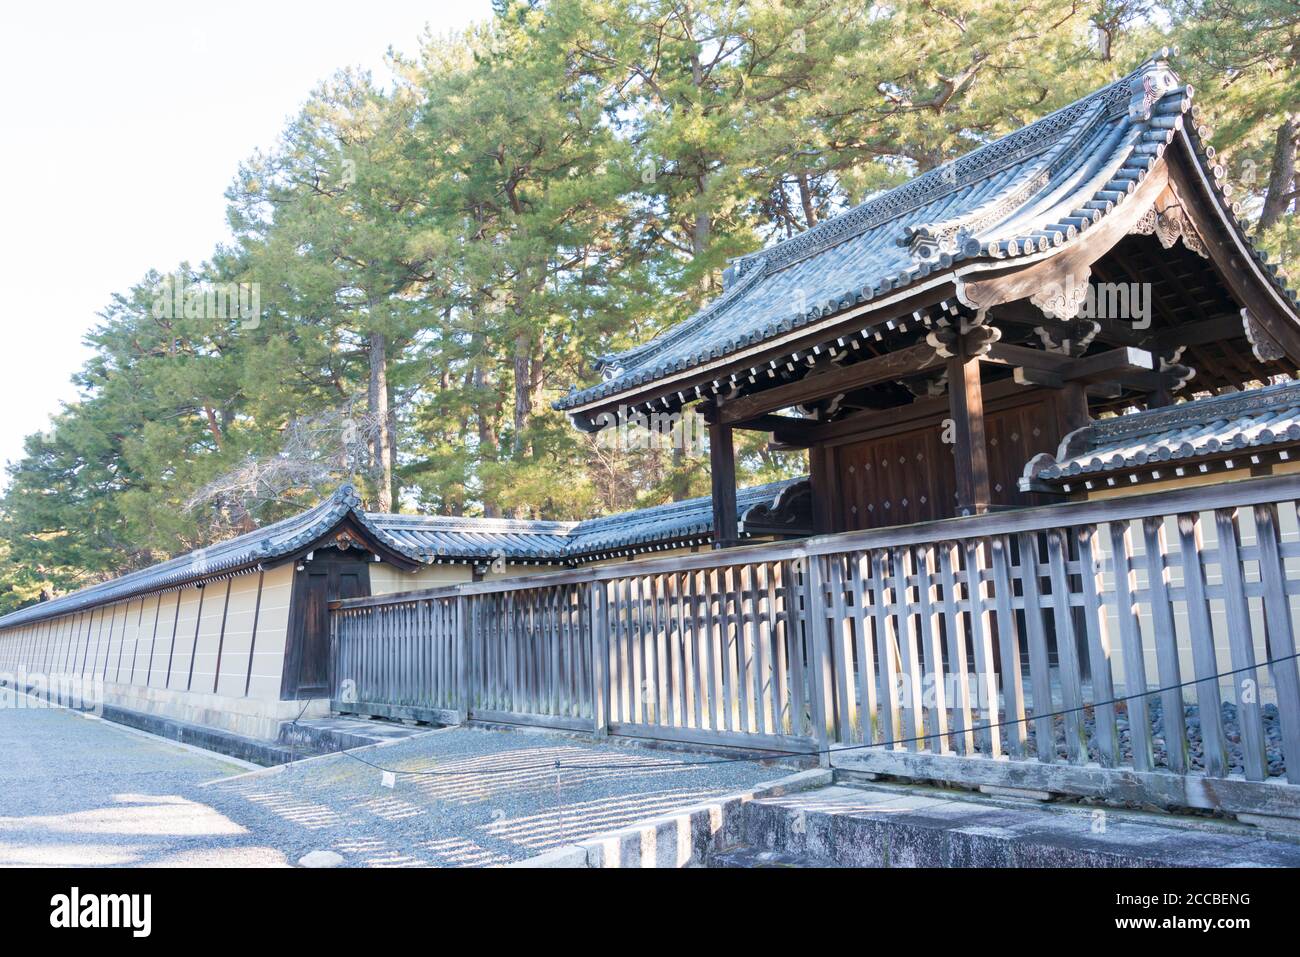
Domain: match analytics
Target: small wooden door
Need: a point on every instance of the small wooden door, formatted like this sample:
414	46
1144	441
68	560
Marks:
329	576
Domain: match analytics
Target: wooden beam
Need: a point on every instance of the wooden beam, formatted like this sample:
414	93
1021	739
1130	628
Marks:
722	469
1037	377
1120	332
966	404
866	423
1201	333
1115	364
818	385
790	428
1025	313
1126	364
1006	353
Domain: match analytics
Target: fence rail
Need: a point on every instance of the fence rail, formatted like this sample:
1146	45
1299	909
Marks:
1015	648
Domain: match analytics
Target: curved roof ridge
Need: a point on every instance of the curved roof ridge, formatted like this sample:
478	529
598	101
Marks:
1252	418
1228	405
277	540
1035	189
387	520
964	172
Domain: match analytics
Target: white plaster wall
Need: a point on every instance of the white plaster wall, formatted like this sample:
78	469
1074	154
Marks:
139	648
272	630
239	635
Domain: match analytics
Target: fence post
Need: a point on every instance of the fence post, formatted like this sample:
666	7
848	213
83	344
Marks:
464	629
334	616
597	615
820	669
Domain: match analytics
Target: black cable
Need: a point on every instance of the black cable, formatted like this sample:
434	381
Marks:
771	755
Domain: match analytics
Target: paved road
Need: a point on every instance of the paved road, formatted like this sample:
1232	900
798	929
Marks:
81	792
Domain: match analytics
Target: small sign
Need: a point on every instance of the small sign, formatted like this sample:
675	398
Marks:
390	780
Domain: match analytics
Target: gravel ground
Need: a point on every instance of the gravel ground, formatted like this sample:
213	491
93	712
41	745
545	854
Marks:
75	791
80	792
492	798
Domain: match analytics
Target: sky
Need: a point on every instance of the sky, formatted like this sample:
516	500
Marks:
121	126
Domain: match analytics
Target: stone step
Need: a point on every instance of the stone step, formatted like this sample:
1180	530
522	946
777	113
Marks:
339	733
905	826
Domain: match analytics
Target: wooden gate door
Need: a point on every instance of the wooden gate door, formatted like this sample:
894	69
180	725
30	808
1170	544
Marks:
330	576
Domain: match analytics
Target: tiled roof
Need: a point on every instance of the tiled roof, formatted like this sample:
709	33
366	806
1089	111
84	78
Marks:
440	537
279	540
1022	195
436	537
1179	434
427	539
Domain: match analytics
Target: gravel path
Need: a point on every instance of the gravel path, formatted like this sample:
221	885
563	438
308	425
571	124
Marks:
81	792
492	798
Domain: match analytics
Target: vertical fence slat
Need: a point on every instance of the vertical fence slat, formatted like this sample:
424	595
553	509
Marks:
794	641
846	712
859	565
767	710
910	677
1213	745
1130	636
1241	646
1099	651
1040	676
781	715
963	737
1166	641
886	650
982	642
1013	692
1067	647
1281	637
821	677
932	648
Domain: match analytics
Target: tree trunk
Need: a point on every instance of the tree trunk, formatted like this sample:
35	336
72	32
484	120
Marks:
1282	175
214	426
703	222
392	444
377	394
523	391
487	433
680	478
805	197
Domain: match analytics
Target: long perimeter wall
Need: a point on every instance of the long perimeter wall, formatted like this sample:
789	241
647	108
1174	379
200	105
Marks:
210	655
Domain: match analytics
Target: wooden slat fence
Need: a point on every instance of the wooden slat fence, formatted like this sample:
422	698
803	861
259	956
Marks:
530	660
709	656
400	660
982	650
